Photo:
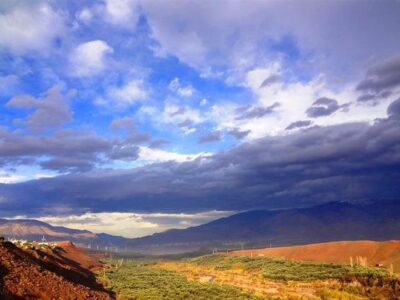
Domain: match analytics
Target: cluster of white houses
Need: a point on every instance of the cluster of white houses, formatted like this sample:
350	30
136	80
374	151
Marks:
21	243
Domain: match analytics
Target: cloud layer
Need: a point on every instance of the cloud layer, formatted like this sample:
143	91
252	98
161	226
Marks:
127	106
350	161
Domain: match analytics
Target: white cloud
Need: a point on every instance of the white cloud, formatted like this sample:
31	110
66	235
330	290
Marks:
130	224
89	59
203	102
130	93
85	15
173	113
45	175
30	27
238	39
225	40
6	178
157	155
181	90
294	99
117	223
183	117
124	13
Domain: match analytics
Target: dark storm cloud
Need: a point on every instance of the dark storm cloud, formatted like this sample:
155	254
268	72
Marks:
354	161
214	136
127	152
61	150
66	150
78	147
68	164
298	124
380	81
254	112
394	108
322	107
239	134
61	143
374	98
382	77
50	111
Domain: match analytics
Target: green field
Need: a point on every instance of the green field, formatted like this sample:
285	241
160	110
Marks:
280	269
142	280
241	277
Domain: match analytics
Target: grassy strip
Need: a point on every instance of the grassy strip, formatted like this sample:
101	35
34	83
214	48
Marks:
274	268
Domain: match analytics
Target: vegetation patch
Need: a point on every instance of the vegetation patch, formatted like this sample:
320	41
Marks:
134	279
275	268
235	277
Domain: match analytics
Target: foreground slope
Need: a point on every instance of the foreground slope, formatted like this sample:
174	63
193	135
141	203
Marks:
385	253
330	222
47	274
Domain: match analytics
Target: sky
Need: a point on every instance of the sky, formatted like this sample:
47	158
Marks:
132	117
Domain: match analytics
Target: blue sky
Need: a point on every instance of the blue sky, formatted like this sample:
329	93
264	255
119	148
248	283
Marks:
194	109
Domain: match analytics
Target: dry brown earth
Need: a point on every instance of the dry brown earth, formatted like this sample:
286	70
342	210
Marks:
49	274
385	253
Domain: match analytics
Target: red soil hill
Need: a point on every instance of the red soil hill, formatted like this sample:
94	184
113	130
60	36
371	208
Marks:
385	253
49	274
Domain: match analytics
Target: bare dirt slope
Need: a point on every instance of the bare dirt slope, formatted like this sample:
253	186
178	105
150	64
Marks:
386	253
49	274
70	251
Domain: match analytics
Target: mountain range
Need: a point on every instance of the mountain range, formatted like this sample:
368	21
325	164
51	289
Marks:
333	221
36	230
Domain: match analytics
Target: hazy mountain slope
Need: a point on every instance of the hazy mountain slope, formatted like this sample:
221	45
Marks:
35	230
329	222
